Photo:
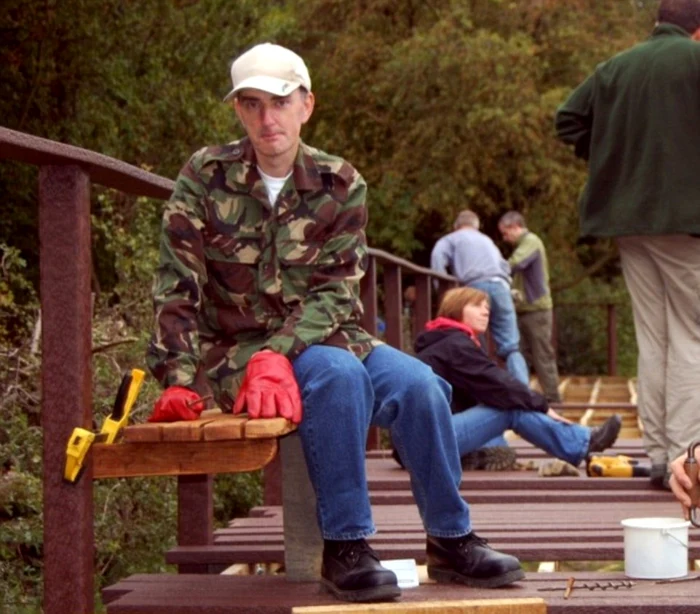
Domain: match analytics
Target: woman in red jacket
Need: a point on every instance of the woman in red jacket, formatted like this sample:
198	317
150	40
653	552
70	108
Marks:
486	399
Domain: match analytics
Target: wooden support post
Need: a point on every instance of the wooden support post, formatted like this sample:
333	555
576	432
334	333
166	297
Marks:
368	294
423	305
66	374
272	482
392	305
195	515
612	340
303	545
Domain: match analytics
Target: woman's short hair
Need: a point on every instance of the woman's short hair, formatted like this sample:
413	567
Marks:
455	300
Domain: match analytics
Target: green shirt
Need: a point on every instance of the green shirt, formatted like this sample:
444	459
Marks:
528	264
636	120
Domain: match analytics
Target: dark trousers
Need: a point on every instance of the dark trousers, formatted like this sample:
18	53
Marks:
536	345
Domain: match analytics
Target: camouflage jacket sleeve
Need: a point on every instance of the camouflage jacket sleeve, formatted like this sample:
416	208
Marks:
173	353
333	296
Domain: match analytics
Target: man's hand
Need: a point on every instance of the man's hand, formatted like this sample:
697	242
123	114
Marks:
269	388
177	403
681	484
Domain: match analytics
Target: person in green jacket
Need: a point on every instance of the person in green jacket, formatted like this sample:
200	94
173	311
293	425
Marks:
530	271
257	303
636	120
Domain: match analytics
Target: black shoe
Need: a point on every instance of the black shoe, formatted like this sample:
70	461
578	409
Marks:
351	571
604	436
397	458
470	560
495	458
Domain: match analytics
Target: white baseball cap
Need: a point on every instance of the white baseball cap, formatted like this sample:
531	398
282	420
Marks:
270	68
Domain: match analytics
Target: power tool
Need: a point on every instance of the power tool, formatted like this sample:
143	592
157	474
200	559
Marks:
82	439
615	467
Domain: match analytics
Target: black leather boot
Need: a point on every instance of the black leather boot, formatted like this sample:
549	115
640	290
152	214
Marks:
469	560
605	435
351	571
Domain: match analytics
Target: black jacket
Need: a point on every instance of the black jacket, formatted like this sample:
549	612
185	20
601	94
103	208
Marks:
474	377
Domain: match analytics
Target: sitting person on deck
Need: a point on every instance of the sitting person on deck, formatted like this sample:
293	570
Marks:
487	400
257	303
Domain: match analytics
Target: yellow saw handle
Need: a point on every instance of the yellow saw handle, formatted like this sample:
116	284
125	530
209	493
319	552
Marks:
128	391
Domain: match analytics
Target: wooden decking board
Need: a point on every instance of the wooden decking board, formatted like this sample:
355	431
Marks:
405	497
197	594
588	550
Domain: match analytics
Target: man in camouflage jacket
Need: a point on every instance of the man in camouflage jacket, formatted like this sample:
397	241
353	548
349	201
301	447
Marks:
237	276
257	302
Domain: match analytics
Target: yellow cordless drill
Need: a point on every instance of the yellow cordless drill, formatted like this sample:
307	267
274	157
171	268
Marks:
615	467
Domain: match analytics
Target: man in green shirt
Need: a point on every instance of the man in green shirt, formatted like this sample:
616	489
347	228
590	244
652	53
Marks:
636	120
530	271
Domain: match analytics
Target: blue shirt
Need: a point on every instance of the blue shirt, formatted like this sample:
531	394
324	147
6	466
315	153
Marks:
470	256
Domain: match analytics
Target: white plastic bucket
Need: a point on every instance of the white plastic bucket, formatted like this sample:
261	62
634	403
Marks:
656	548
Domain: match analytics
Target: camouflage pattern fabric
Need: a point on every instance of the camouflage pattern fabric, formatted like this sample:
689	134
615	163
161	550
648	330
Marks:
238	275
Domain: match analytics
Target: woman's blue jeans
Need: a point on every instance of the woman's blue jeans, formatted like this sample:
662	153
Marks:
478	424
342	397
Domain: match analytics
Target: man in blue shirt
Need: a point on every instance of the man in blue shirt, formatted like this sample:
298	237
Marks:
472	257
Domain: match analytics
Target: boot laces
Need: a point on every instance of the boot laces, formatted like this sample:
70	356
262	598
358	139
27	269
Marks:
354	549
471	540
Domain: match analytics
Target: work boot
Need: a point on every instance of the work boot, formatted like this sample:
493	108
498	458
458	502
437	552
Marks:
604	436
470	560
352	572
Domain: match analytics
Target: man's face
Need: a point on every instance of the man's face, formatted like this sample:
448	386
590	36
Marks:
273	123
510	234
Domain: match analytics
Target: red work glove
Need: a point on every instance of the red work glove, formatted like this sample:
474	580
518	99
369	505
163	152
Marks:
177	403
269	388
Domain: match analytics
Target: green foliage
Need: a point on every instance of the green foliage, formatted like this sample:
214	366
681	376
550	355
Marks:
18	301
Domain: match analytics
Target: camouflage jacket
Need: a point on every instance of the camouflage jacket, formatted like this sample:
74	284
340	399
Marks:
237	275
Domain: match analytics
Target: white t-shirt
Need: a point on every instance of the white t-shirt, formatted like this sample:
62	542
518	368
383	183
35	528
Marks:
273	185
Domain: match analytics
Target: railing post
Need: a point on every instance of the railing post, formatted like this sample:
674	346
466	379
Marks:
368	295
612	339
392	305
66	379
195	515
423	304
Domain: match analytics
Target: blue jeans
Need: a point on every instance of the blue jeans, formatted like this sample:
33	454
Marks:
478	424
342	397
503	324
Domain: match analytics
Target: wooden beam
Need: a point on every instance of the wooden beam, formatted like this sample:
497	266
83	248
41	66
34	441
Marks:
181	457
530	605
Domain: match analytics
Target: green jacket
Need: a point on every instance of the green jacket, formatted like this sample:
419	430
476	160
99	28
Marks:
636	120
530	270
237	275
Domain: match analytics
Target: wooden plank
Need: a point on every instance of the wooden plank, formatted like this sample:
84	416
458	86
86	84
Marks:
478	606
213	425
226	427
268	427
131	459
228	554
272	594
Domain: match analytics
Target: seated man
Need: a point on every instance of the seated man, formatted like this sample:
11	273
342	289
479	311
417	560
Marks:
257	303
488	400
